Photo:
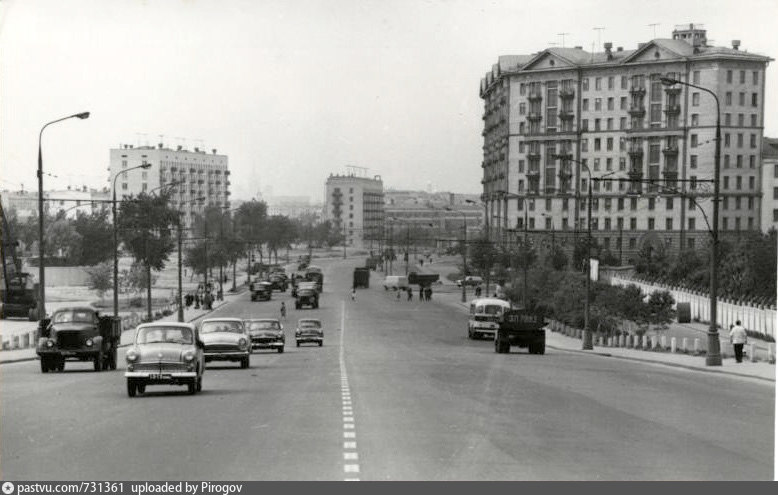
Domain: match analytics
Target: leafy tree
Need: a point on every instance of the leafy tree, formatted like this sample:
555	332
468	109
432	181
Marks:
580	251
101	278
556	258
483	256
62	240
137	279
652	260
659	309
96	234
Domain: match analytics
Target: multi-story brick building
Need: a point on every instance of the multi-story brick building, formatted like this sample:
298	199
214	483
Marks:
355	205
202	175
554	117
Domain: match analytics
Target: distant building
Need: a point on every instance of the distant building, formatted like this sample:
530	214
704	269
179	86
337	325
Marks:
202	175
23	203
71	202
769	217
355	205
553	117
291	206
439	214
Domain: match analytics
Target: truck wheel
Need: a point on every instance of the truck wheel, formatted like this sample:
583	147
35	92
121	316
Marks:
296	305
542	348
60	365
141	388
199	386
32	314
131	387
298	344
244	362
281	350
316	305
44	365
99	362
321	343
113	359
191	387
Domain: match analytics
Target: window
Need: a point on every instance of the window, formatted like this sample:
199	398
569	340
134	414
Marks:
740	161
755	77
144	175
727	119
585	103
609	162
692	161
726	140
726	161
693	182
633	224
754	99
741	99
609	124
740	140
596	168
752	161
753	141
585	124
124	163
584	145
624	82
623	103
738	183
726	183
728	98
633	204
124	186
597	103
693	143
742	77
695	99
729	77
597	83
651	203
669	204
610	103
632	242
740	120
623	123
597	124
585	84
351	190
668	224
620	204
691	224
565	204
144	187
650	224
596	144
696	77
623	164
753	120
522	89
522	108
610	82
695	120
691	204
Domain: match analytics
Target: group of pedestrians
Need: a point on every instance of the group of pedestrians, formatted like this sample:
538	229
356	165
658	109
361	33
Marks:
425	293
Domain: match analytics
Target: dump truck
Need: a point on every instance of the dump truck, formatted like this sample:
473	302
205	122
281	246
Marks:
361	277
521	328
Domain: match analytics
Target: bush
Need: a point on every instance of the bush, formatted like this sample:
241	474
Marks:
167	312
136	302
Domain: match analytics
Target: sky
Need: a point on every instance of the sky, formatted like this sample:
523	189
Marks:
295	90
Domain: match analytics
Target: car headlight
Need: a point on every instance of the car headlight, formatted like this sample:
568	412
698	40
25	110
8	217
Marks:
89	342
132	356
280	335
188	355
242	343
49	343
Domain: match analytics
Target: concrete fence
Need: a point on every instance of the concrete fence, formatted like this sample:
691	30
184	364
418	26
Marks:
760	319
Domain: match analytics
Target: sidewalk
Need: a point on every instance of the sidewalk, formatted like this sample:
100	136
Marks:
761	370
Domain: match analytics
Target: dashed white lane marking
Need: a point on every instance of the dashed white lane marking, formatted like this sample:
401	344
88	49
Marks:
350	455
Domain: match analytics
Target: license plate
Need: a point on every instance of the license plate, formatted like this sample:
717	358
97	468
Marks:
158	376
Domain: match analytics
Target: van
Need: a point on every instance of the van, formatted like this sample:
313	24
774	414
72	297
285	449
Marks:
485	316
395	282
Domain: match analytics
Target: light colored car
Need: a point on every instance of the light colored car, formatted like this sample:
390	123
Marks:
266	333
226	339
165	354
309	330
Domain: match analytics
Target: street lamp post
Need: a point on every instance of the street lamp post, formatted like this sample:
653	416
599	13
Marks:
713	356
525	260
116	239
41	242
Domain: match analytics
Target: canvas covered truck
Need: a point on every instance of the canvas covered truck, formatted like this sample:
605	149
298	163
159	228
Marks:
361	277
521	328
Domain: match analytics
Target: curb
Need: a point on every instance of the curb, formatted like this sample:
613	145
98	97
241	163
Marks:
35	357
663	363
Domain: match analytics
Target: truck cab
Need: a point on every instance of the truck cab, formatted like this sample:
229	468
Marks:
522	328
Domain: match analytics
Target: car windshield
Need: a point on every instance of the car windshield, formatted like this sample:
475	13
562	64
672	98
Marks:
170	335
77	316
491	309
264	325
309	324
221	326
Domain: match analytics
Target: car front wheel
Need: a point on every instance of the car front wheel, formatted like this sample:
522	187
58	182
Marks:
191	387
244	362
281	350
131	388
99	362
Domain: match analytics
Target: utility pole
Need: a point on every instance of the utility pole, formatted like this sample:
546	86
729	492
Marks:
180	282
344	239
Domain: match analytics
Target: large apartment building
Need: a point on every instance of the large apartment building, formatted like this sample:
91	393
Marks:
199	174
769	218
556	117
355	205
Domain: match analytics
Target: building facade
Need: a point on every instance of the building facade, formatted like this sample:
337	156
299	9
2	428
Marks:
555	118
769	219
355	206
190	174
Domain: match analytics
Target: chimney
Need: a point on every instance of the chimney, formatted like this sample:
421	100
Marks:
608	46
620	49
735	44
197	150
179	147
214	151
159	145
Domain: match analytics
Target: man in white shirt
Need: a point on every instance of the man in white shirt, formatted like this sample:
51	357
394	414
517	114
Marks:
738	338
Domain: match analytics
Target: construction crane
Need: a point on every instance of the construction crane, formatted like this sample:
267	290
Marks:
18	294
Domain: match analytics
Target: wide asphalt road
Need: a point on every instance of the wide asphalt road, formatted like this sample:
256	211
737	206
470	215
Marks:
397	393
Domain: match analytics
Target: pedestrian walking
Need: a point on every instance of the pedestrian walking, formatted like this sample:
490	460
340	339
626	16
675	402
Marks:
421	293
283	311
353	293
428	293
738	338
410	294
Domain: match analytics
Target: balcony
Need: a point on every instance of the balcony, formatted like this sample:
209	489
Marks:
637	91
670	175
673	109
534	116
673	90
533	172
565	155
636	151
566	115
566	93
670	150
535	96
637	110
533	155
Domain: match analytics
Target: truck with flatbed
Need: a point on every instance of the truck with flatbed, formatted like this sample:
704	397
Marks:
306	294
521	328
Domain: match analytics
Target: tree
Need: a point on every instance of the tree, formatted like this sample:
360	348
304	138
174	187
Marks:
100	278
96	234
137	279
62	240
659	309
483	256
557	259
652	260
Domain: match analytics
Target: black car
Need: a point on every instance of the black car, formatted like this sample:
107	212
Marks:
261	291
279	281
